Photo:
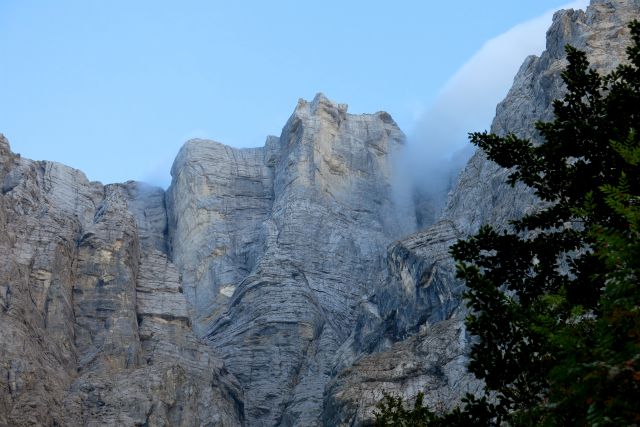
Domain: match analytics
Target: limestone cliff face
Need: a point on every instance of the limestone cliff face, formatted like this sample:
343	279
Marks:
277	245
422	288
220	302
95	327
266	286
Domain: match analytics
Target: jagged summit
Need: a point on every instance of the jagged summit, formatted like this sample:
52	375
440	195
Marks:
283	240
320	106
320	100
3	140
267	286
239	282
423	273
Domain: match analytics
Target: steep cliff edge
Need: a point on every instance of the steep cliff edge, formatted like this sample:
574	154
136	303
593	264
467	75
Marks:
423	279
94	325
220	302
277	245
266	286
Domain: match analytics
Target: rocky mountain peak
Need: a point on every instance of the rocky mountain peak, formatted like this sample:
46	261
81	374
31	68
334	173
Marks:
321	105
396	346
277	285
4	143
284	240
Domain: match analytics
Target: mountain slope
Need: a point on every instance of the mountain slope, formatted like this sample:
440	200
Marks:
222	301
424	289
266	286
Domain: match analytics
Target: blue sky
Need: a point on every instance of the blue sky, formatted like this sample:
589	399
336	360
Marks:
114	88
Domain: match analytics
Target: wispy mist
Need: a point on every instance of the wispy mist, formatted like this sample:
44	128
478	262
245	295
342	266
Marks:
438	146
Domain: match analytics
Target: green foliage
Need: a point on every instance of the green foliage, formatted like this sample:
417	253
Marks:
605	385
555	300
392	412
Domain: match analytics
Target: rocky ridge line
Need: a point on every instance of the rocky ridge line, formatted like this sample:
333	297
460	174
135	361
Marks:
94	324
258	290
424	275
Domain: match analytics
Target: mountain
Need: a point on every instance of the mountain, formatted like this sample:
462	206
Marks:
281	285
424	285
221	301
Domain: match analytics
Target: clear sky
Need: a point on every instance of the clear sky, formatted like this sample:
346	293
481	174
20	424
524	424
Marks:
114	88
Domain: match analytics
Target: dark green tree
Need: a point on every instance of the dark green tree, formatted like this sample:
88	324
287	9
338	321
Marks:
600	383
554	299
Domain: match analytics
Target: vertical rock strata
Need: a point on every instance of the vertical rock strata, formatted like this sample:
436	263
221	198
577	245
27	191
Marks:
422	287
266	286
95	329
221	302
277	245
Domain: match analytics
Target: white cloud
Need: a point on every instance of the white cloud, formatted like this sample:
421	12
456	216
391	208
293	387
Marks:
439	146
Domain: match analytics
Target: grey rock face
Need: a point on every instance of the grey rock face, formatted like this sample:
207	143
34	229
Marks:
277	245
217	201
423	281
265	253
409	335
37	246
266	286
432	359
95	328
482	195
